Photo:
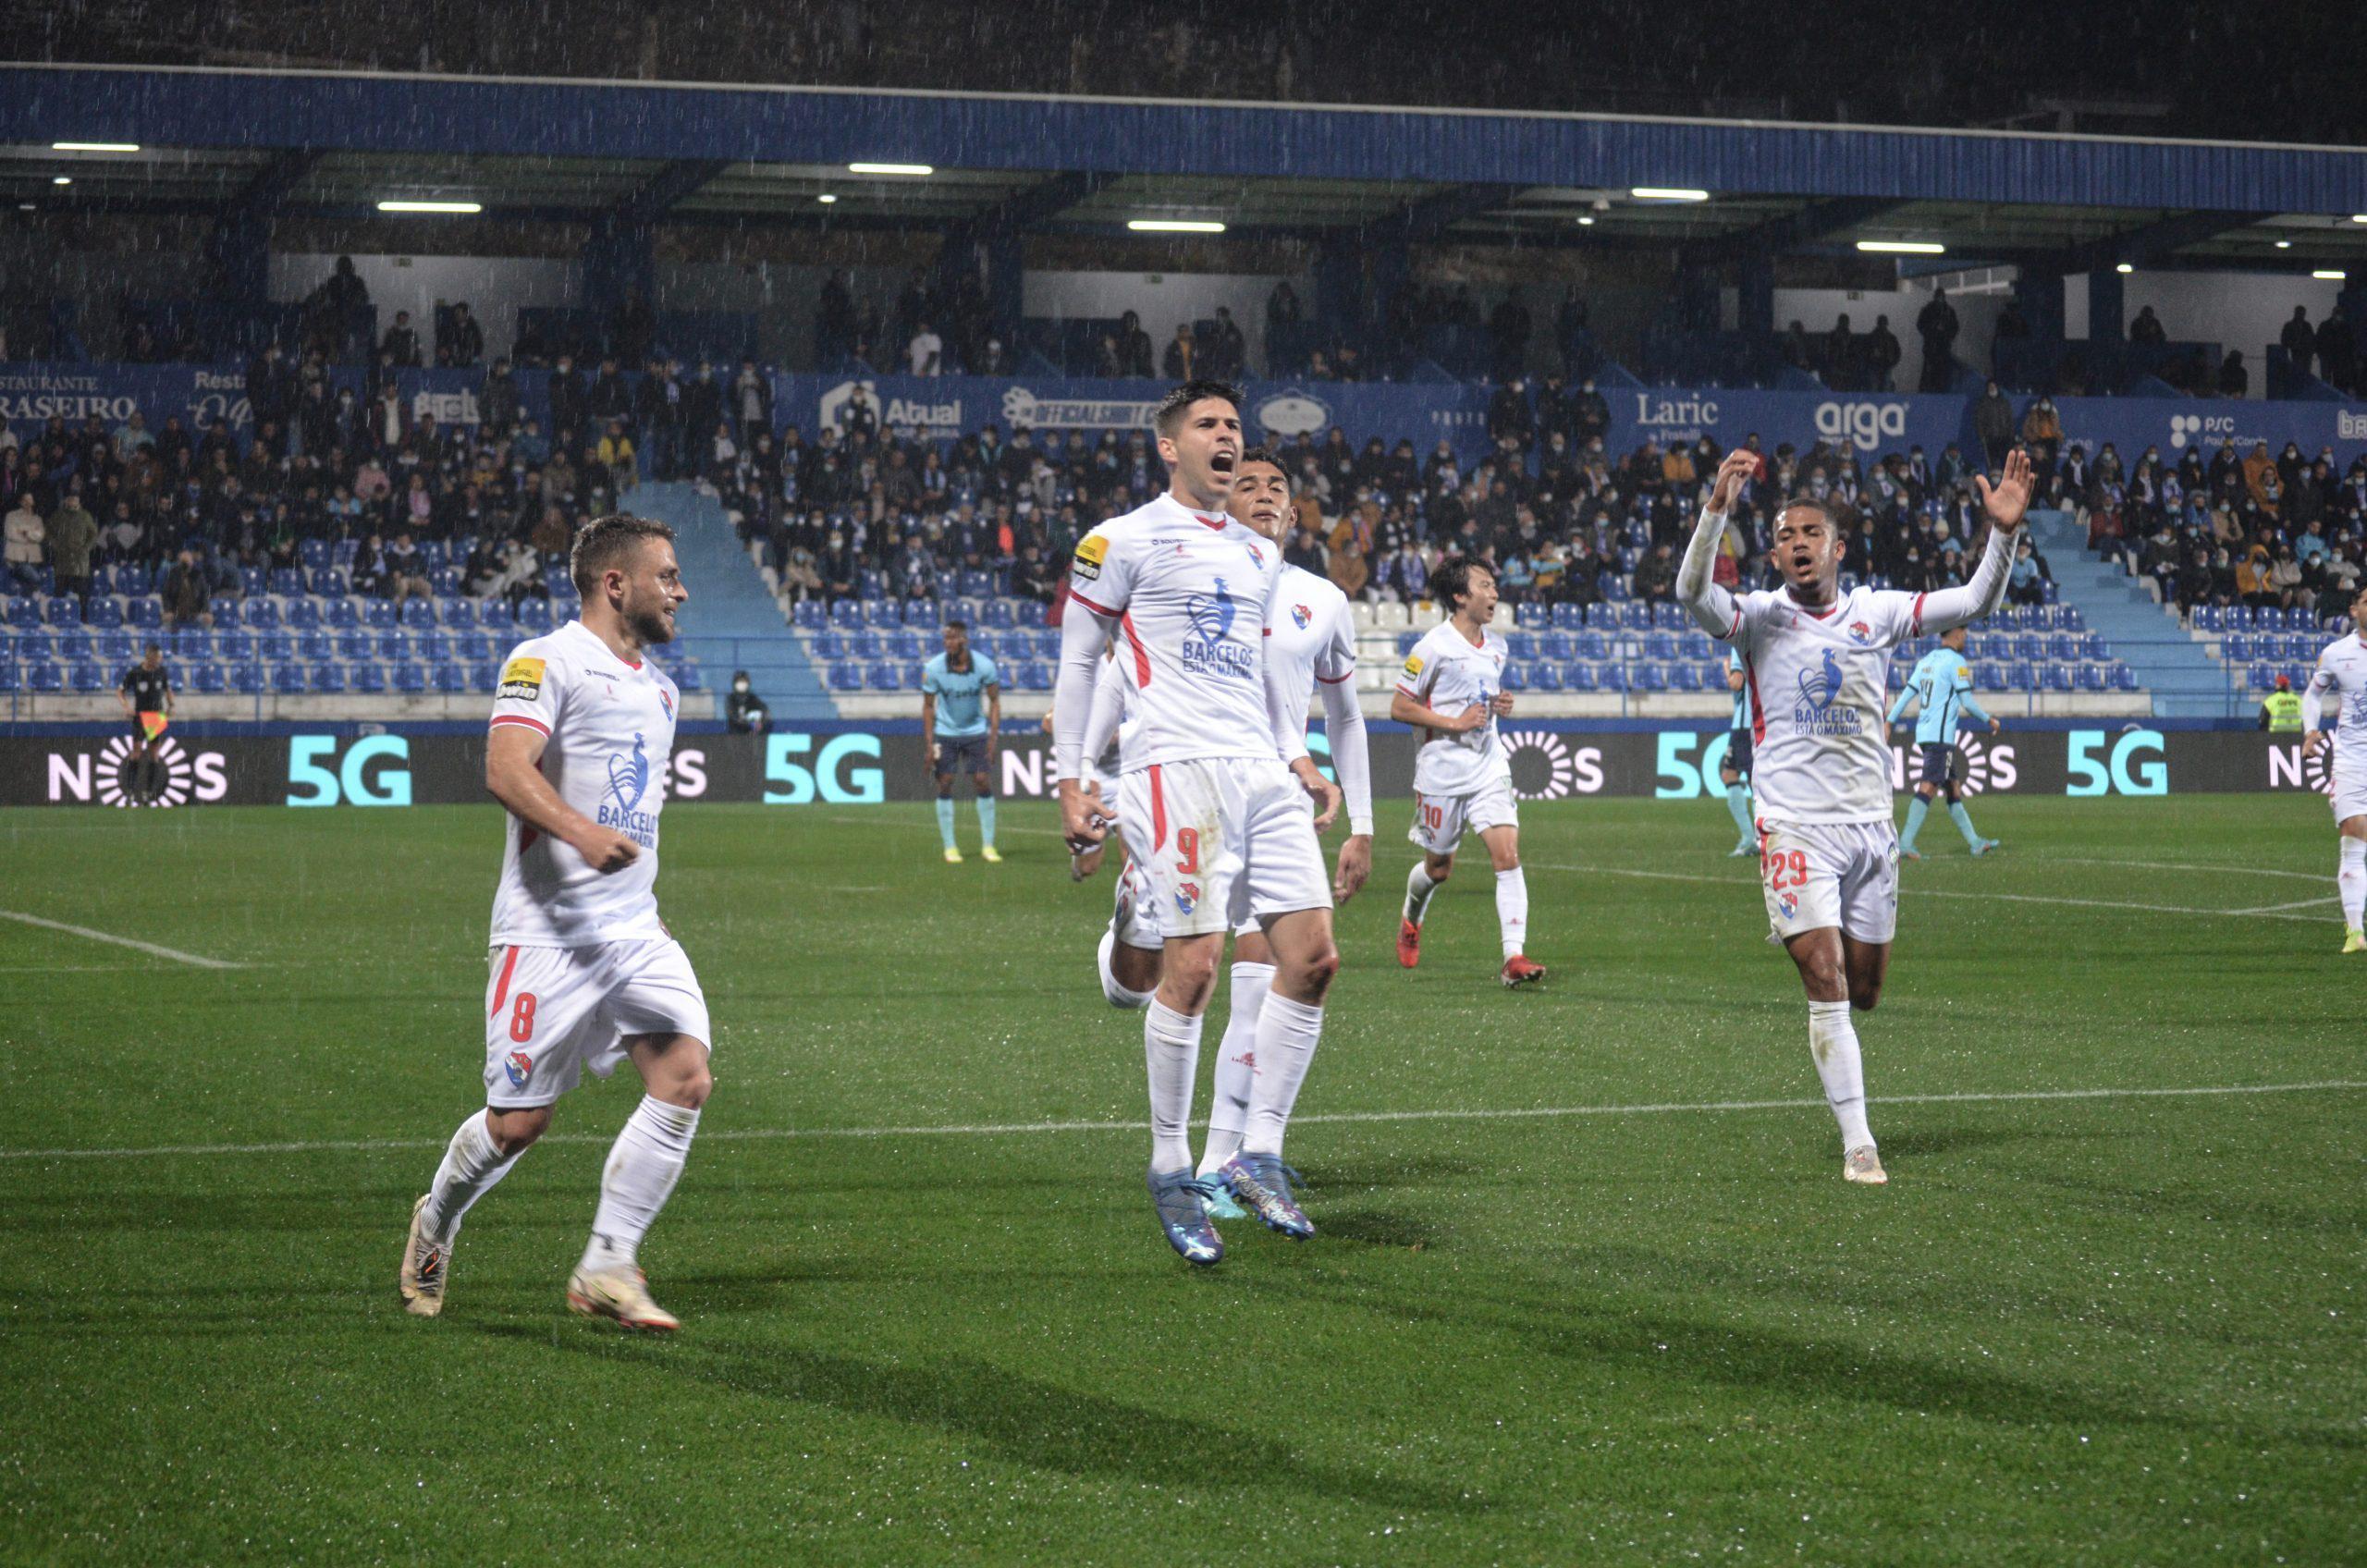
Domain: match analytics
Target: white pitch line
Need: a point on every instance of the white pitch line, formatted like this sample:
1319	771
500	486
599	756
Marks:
1003	1129
2188	865
173	953
2297	903
1932	892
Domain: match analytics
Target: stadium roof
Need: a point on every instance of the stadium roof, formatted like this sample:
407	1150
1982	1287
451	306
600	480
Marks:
337	143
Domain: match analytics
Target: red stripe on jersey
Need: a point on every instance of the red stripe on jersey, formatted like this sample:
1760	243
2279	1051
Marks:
1142	654
1335	680
1737	625
1089	604
501	987
536	725
1215	522
1157	810
1758	711
1919	614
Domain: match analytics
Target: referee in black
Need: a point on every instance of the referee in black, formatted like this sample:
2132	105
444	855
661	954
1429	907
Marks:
145	692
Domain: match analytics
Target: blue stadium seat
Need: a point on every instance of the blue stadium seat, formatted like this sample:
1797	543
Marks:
806	615
417	613
288	678
886	678
302	614
1569	618
866	646
1615	678
1558	646
2123	678
434	647
380	614
42	675
247	677
1032	675
2056	678
86	677
534	617
2237	647
313	553
690	678
444	582
35	645
1686	678
259	615
76	646
1659	645
1532	617
472	647
392	646
106	612
62	612
495	615
828	644
485	676
118	647
1516	677
282	580
1519	647
341	613
234	643
845	675
211	678
456	612
410	679
909	645
329	582
846	614
884	615
999	614
316	647
452	678
328	679
24	613
1549	678
1582	678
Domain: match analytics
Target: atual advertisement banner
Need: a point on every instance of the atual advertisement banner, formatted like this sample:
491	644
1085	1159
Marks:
850	766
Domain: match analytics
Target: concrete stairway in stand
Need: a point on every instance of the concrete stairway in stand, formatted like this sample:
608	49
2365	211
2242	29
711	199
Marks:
2183	678
731	622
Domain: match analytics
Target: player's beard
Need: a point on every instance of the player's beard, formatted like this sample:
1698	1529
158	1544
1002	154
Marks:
650	626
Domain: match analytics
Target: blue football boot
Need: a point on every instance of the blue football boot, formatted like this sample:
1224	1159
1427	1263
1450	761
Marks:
1263	1185
1182	1199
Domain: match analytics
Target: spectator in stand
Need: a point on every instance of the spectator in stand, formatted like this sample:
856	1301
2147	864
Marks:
271	388
2234	381
1227	352
2337	350
2147	330
73	536
1936	325
2043	434
658	408
1656	575
611	395
570	403
24	533
460	341
2299	340
1181	355
924	355
1841	356
752	403
401	343
1509	329
187	592
1881	354
1134	347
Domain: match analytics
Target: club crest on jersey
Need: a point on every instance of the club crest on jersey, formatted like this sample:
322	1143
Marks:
1254	553
667	702
1209	652
1819	712
1790	904
519	1067
1187	896
1862	634
1301	616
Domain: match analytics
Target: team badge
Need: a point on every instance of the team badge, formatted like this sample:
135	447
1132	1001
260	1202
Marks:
521	678
1187	896
520	1067
1790	904
666	702
1254	553
1861	633
1302	617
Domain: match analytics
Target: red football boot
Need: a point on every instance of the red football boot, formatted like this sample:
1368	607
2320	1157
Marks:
1520	970
1409	943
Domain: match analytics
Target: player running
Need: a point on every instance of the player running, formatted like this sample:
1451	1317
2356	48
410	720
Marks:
1814	660
146	693
1943	685
1452	691
1733	768
1218	824
584	974
2342	675
1311	645
962	724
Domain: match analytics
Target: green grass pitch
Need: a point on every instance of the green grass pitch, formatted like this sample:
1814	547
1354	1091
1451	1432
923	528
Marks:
1637	1317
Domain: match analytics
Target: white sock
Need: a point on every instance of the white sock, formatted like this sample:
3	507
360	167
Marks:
1117	994
1237	1065
1834	1041
1418	889
643	1168
2352	880
472	1165
1512	909
1286	1034
1172	1052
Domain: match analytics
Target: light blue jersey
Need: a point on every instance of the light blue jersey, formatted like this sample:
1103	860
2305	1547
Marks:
1943	685
961	694
1742	693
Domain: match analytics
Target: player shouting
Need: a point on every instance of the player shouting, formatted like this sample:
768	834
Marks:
2342	675
1814	660
1218	823
1452	691
584	974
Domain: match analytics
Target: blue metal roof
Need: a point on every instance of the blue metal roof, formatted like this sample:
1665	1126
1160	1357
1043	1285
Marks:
476	116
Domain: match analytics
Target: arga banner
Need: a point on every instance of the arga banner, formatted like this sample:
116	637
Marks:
850	764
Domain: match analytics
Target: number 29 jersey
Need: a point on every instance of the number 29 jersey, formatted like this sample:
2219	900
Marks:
609	731
1817	686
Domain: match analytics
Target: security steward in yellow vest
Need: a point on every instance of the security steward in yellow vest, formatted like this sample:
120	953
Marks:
2281	714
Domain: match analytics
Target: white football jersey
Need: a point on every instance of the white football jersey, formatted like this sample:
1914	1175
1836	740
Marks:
1310	636
1446	672
1189	594
1816	684
2341	681
609	729
1105	732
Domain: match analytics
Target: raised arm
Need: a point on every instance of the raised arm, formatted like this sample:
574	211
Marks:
2006	506
1712	609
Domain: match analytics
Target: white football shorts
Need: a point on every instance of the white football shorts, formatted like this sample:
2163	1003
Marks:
1223	841
1145	929
1440	821
2350	792
551	1013
1837	874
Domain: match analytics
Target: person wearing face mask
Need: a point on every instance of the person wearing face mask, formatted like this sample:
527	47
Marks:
744	711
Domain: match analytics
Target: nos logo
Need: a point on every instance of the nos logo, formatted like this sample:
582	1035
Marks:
1977	766
1545	768
2288	770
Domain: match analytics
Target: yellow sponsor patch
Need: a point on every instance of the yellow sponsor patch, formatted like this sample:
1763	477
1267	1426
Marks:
1412	663
523	678
1964	672
1089	553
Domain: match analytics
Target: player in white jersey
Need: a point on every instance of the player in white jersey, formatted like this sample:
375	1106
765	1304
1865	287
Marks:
2341	676
585	974
1311	644
1814	663
1452	691
1213	813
